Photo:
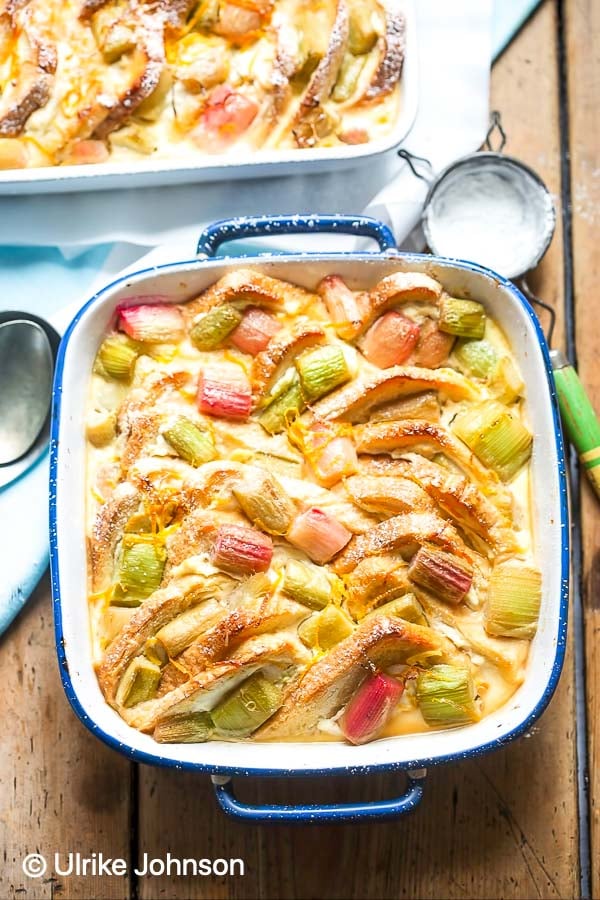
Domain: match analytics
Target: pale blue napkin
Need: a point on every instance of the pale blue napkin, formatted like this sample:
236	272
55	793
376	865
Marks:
43	281
508	17
40	281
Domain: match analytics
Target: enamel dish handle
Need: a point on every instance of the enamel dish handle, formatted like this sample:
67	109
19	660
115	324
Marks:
275	226
578	416
379	810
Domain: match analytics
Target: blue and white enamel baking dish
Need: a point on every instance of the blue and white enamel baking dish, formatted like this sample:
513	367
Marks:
259	163
411	753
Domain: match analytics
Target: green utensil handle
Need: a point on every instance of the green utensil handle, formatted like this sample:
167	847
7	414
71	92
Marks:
578	416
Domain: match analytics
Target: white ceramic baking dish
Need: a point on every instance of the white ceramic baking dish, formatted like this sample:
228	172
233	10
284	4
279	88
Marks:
205	167
184	280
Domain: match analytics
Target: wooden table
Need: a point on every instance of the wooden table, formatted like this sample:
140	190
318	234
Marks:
508	825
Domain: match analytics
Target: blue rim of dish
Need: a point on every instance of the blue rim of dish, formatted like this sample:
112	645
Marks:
143	756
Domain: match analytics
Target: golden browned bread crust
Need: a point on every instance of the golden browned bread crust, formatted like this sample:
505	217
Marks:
392	48
108	530
388	495
89	7
323	78
219	641
374	581
329	683
276	651
460	499
33	70
354	402
280	350
147	65
245	286
386	437
404	532
155	612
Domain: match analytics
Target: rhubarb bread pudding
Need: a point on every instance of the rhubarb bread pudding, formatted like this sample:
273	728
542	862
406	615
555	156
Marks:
91	81
308	512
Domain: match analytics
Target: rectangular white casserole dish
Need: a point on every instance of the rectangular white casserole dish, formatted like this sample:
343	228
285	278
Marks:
67	493
258	164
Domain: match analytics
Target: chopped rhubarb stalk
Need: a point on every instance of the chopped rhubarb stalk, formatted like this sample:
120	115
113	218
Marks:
331	456
370	708
442	574
335	461
154	321
87	152
318	534
343	306
241	550
322	370
254	331
236	21
13	154
224	391
354	136
433	347
391	340
226	116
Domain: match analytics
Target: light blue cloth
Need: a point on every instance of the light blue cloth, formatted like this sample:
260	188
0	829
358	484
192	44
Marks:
23	539
39	281
508	17
42	281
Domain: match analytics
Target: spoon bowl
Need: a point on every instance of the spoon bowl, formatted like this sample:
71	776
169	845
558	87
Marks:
26	366
26	392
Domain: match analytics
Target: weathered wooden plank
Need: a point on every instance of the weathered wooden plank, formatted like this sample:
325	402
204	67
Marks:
503	826
60	788
486	828
524	88
582	19
178	814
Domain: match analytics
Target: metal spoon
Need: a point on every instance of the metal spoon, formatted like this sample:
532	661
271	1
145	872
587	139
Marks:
27	350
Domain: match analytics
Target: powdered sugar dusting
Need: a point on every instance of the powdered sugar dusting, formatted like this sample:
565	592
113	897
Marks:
492	212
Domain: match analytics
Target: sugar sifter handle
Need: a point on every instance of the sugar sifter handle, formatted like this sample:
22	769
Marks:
578	416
